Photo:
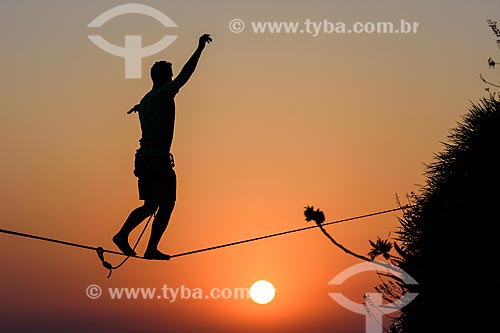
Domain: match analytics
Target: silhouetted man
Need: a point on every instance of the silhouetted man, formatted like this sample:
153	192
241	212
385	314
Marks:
154	163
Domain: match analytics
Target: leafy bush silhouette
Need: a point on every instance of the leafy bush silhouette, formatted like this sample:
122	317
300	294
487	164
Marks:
446	239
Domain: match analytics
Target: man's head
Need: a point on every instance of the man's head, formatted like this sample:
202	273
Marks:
161	72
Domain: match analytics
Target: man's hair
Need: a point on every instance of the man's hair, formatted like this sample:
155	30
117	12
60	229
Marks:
160	71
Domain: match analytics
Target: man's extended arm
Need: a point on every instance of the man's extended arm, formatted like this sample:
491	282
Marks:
190	65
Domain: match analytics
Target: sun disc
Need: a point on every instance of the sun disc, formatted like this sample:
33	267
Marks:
262	292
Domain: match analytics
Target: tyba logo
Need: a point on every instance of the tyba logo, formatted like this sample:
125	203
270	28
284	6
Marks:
132	51
374	309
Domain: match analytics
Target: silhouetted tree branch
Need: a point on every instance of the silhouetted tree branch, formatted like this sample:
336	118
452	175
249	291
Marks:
319	217
491	63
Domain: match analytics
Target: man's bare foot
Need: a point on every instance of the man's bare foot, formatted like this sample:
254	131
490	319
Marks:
123	245
155	255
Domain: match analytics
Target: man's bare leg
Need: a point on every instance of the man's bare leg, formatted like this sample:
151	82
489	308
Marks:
159	226
134	219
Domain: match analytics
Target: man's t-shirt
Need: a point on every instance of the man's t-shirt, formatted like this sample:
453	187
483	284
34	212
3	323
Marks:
157	116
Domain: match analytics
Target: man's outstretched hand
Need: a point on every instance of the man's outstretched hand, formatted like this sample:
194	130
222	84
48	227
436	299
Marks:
204	39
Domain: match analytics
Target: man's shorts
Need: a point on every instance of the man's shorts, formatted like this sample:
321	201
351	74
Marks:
157	180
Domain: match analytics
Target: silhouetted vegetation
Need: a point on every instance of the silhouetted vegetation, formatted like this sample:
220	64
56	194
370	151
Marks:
319	217
492	63
447	236
446	239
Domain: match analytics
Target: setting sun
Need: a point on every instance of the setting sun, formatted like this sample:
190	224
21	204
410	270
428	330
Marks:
262	292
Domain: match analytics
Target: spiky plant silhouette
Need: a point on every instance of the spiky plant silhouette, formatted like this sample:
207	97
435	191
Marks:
446	241
380	247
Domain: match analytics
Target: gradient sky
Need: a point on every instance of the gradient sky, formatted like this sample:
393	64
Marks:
268	124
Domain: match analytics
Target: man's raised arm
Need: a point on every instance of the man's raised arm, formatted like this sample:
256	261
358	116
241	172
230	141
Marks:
190	65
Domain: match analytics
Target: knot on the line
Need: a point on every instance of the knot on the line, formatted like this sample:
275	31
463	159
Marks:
107	265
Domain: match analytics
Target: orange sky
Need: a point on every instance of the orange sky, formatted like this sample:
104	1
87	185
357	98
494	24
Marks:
268	124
